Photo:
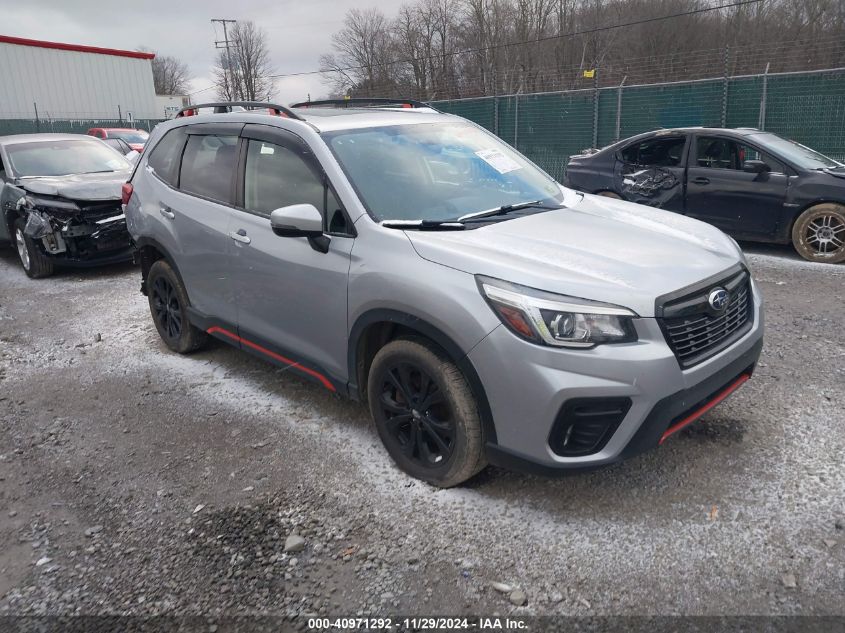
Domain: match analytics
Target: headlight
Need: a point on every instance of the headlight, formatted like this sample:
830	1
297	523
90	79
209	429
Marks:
557	320
51	206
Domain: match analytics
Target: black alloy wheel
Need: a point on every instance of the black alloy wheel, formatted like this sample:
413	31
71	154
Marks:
417	415
425	412
166	309
169	305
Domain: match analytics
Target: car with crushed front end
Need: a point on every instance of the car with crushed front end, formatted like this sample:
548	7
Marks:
754	185
60	197
412	260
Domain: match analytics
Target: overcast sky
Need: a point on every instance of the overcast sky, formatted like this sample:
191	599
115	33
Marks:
298	32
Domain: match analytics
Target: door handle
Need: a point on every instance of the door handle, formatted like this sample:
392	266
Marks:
240	236
166	212
702	181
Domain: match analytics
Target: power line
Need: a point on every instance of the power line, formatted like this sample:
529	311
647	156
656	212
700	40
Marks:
589	31
790	55
547	38
225	44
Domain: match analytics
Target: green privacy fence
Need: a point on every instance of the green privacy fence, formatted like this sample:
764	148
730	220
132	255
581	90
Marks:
808	107
69	126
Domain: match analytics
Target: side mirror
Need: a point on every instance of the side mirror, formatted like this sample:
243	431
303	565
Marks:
297	220
755	167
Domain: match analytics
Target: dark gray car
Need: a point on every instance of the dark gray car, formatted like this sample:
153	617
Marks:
60	196
412	260
753	185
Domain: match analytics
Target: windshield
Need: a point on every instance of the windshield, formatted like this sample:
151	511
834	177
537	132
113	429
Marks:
130	136
437	171
802	156
63	157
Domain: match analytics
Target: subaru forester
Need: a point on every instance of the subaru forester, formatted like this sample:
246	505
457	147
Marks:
411	260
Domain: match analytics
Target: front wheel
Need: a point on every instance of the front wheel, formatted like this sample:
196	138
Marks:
425	413
35	263
819	233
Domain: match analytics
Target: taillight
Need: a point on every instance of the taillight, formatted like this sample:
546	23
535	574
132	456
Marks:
126	192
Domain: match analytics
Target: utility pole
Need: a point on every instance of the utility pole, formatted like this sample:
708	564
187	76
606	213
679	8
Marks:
224	43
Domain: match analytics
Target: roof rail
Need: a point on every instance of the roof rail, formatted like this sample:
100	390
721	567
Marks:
227	106
363	103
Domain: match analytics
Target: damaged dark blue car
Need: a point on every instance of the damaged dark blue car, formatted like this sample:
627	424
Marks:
753	185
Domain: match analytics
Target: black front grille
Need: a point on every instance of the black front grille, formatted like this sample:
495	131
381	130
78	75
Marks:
695	331
584	425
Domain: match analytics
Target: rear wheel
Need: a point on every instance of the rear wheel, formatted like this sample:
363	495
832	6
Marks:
425	413
819	233
35	263
169	307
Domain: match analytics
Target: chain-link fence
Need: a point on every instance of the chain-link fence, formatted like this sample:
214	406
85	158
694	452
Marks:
70	126
808	107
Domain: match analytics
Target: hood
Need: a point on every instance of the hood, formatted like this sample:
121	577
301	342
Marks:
79	186
838	172
598	248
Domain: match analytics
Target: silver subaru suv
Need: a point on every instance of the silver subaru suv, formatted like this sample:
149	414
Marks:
411	260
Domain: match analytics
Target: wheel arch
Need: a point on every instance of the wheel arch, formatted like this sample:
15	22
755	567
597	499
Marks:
375	328
149	252
799	211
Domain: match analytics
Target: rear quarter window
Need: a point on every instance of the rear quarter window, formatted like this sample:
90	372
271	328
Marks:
166	155
656	152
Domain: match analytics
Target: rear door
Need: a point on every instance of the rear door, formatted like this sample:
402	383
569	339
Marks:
651	171
194	182
721	193
291	297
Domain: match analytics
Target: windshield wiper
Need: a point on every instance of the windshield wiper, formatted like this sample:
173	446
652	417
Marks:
504	210
424	225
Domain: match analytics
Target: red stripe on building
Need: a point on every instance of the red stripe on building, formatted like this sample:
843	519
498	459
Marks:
22	41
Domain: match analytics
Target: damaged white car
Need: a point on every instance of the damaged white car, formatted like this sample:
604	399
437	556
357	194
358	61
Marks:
61	201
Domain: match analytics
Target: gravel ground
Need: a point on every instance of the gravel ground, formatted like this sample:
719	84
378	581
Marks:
136	481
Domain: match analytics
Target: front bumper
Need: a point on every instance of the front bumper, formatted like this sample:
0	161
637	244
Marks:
527	385
107	242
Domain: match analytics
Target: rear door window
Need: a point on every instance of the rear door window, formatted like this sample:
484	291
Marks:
165	157
208	165
656	152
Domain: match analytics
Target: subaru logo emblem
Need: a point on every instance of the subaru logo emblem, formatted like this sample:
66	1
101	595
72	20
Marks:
718	299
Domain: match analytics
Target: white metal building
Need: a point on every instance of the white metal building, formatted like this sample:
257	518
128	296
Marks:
67	81
169	105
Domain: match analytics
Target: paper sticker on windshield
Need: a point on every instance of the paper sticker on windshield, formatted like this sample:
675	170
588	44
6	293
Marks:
498	161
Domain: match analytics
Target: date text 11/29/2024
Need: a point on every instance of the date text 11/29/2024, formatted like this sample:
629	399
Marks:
417	624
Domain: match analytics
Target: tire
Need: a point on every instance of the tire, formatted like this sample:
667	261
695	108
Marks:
168	306
610	194
819	233
439	441
32	258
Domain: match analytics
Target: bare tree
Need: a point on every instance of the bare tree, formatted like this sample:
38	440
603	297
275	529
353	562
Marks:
244	72
170	76
363	60
463	48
